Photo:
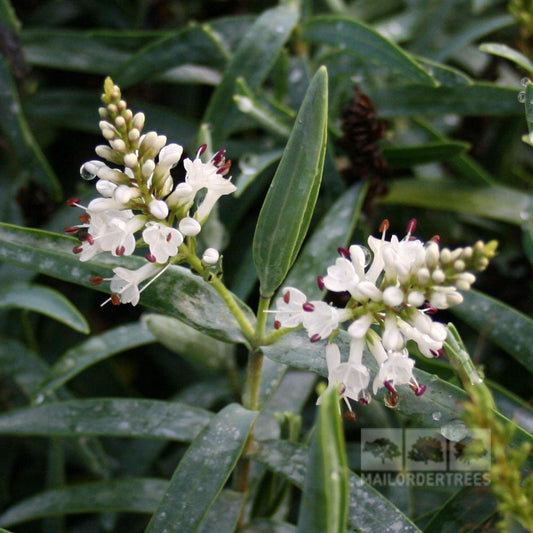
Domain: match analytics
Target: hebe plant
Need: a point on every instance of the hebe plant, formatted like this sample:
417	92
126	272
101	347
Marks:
343	290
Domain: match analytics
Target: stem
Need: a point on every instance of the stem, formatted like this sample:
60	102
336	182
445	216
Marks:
264	303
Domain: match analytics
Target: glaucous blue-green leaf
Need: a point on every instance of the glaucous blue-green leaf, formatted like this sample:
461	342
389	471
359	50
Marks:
369	511
251	166
444	74
290	201
528	105
324	504
407	156
255	55
357	38
203	470
506	327
22	144
178	292
503	50
468	510
118	417
134	495
95	349
495	202
225	512
475	100
264	525
41	299
190	343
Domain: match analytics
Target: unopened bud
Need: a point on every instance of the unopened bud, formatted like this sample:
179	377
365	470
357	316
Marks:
210	256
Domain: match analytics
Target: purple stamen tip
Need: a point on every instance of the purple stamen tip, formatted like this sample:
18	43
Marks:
315	338
389	386
344	252
308	306
421	389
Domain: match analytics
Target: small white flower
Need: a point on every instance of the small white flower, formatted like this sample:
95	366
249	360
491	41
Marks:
320	319
217	186
358	328
162	240
289	308
397	369
125	283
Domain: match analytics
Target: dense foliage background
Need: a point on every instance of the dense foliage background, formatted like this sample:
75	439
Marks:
422	123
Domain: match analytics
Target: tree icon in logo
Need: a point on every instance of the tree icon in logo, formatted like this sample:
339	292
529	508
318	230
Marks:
470	449
383	449
426	449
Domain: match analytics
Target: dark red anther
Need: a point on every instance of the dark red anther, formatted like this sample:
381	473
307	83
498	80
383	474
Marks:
224	169
308	306
77	249
115	299
151	258
90	238
438	353
219	157
390	387
421	389
384	226
201	150
169	237
85	218
429	309
71	229
411	226
287	297
277	324
315	338
350	415
120	250
435	238
320	282
344	252
71	202
96	280
363	401
392	399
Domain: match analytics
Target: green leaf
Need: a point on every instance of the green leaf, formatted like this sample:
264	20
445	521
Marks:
502	50
407	156
225	512
92	351
476	100
291	460
134	495
494	202
334	230
255	55
116	417
177	293
357	38
504	326
288	207
204	469
192	45
189	343
528	105
324	503
467	510
251	166
25	150
46	301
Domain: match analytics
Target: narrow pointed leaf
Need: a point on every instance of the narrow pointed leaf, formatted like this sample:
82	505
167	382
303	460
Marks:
504	326
406	156
25	150
225	513
177	293
255	55
203	470
357	38
43	300
290	460
494	202
116	417
135	495
92	351
324	505
502	50
288	207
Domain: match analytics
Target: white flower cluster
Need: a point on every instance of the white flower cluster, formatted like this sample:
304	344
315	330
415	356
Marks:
390	300
138	194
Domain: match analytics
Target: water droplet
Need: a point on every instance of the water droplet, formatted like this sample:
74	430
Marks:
124	426
521	97
454	430
162	515
39	399
88	171
524	82
437	415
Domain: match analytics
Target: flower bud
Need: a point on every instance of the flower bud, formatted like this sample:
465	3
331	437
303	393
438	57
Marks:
189	227
158	208
210	256
130	160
